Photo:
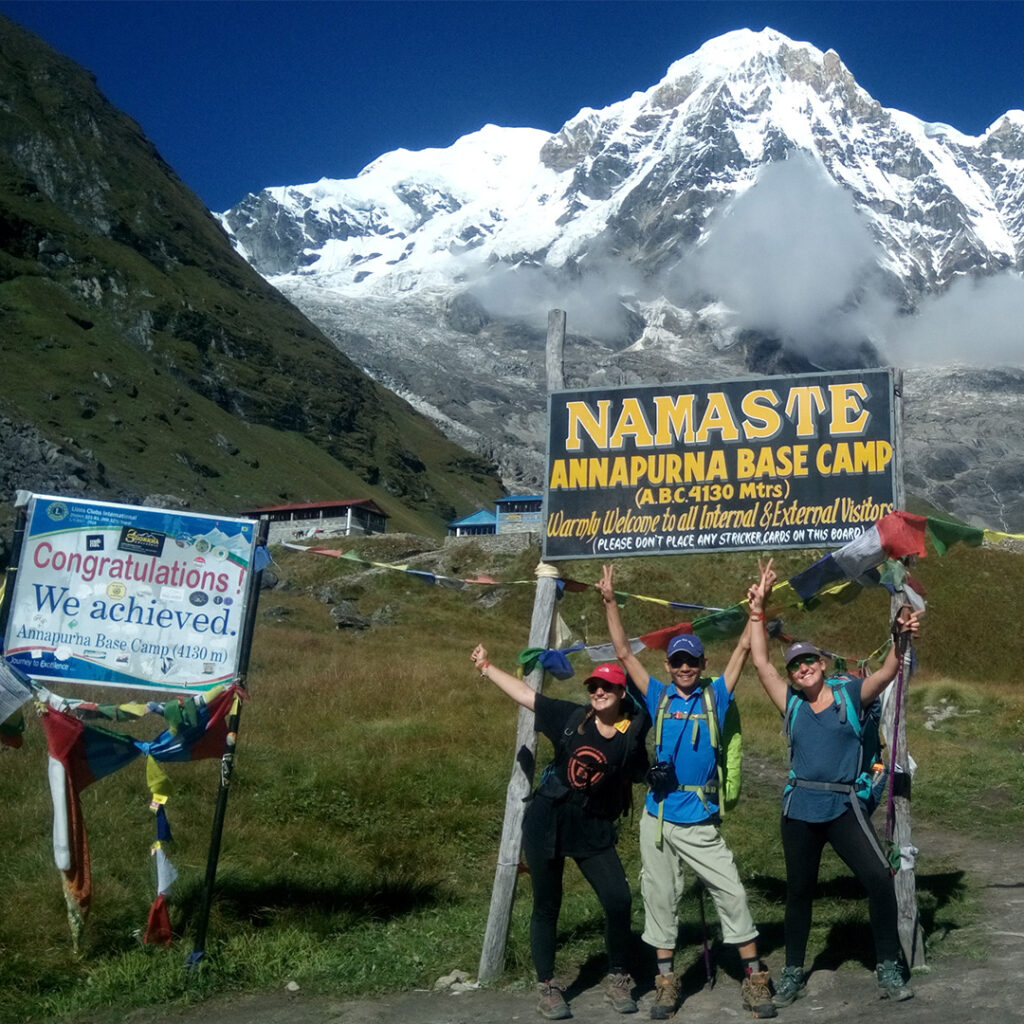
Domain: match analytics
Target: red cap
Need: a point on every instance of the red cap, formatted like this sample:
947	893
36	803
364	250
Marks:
609	672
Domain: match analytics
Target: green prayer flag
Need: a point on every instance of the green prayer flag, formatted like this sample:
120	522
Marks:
729	621
528	658
944	534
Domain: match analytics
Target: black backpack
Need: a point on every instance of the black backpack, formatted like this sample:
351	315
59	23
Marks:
632	767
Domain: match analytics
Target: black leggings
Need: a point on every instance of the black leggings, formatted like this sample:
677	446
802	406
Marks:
606	876
803	842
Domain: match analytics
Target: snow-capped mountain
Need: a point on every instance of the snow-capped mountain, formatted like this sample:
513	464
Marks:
754	211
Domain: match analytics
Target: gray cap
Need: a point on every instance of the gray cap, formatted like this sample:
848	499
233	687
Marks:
801	647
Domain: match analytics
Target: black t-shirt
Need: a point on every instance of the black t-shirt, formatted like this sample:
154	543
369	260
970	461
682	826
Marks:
575	814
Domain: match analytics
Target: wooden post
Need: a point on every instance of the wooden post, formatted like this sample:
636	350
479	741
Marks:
909	921
555	350
492	955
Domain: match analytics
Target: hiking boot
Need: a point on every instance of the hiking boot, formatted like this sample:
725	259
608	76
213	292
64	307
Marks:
890	982
618	990
552	1003
791	987
666	996
757	994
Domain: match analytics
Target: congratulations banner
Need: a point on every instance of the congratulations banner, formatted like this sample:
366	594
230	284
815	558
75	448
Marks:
760	463
124	596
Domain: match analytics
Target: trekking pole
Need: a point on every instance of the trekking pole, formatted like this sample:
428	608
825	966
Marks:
709	970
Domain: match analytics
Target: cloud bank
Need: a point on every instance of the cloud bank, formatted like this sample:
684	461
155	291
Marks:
977	322
792	258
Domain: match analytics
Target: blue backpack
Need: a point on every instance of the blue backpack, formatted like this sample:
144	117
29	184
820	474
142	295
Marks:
870	783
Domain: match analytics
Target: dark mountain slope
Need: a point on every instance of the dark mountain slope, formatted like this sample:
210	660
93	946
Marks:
143	356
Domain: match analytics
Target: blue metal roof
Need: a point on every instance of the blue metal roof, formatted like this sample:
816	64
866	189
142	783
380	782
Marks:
479	518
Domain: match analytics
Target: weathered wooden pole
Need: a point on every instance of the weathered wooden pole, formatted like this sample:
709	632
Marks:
909	921
895	726
555	358
492	955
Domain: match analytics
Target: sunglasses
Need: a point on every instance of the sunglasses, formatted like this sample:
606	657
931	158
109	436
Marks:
804	659
593	685
678	660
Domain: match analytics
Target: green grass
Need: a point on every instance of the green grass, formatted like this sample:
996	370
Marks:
366	806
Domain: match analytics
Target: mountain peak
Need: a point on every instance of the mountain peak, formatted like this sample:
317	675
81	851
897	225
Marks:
756	178
723	54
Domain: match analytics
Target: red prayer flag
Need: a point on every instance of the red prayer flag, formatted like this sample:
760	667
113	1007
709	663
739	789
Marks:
158	924
658	640
902	534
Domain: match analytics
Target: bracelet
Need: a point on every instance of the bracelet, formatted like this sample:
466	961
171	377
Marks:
756	617
484	667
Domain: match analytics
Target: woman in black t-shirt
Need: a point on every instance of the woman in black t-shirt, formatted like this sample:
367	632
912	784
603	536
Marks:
599	751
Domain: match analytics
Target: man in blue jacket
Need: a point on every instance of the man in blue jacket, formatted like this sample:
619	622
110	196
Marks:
679	829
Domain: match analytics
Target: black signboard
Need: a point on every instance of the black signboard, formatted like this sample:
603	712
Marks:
753	464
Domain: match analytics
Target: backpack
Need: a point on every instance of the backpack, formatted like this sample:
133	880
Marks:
726	741
870	782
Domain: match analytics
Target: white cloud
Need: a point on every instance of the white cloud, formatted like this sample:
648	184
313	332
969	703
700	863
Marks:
592	302
976	321
792	257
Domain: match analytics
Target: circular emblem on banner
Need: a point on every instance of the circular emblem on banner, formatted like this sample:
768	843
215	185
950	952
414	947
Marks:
202	545
220	553
57	510
198	598
116	591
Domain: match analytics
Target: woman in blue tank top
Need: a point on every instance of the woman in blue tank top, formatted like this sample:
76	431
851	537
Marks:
820	804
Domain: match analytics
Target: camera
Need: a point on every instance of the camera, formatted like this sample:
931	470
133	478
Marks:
661	778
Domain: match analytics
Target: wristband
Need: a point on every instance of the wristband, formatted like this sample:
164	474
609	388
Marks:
484	667
756	617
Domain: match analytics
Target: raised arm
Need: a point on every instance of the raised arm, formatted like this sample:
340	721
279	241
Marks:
909	626
738	658
629	661
774	685
518	689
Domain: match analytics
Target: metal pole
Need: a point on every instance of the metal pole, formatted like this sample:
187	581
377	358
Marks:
492	955
227	761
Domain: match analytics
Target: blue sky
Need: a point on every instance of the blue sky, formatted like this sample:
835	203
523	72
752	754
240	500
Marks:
242	95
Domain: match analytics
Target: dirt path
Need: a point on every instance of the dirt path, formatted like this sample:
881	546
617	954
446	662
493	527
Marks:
987	988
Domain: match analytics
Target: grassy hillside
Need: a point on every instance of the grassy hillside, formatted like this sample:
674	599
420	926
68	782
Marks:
137	341
366	807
